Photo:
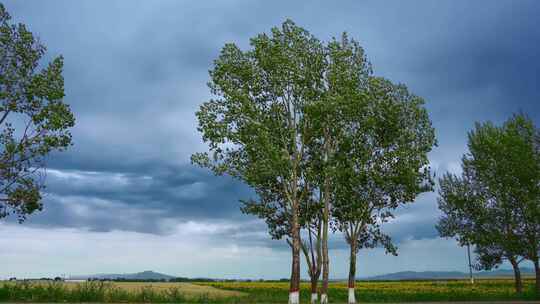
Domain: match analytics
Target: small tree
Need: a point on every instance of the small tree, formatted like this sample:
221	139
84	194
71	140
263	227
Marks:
256	127
472	218
381	164
507	162
34	119
494	204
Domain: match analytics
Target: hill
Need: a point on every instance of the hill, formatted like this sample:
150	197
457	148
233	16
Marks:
145	275
440	275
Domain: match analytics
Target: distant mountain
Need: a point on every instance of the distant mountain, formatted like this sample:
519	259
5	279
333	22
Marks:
145	275
441	275
396	276
413	275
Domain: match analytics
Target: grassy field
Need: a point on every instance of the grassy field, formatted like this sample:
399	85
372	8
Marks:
388	292
188	289
260	292
43	291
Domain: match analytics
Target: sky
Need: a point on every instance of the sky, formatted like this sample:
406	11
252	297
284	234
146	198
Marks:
125	197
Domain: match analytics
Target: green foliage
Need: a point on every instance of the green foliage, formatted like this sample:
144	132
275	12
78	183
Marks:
256	127
34	120
371	145
495	203
381	160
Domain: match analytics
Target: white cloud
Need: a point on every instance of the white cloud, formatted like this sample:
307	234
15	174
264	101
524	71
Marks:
192	250
92	179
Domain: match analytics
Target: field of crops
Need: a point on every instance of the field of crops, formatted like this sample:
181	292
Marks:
259	292
377	292
50	291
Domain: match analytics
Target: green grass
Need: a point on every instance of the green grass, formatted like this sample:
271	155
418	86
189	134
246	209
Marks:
107	292
386	292
260	292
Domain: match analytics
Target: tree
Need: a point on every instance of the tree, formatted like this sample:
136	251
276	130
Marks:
256	129
359	111
507	161
469	216
34	119
381	163
347	71
494	204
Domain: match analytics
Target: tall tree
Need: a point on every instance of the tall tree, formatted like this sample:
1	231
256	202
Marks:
381	164
256	129
34	120
359	111
347	72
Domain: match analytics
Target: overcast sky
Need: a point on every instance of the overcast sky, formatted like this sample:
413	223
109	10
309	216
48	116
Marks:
125	198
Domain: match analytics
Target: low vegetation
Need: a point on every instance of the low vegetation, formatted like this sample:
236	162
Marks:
390	291
108	292
261	292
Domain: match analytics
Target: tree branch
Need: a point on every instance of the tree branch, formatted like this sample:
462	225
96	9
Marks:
4	116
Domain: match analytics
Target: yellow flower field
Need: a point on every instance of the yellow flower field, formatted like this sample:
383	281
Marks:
394	291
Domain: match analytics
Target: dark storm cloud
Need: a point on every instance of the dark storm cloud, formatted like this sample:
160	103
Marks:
149	201
136	72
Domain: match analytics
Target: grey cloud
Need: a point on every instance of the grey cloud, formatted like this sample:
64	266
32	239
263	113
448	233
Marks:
105	201
136	72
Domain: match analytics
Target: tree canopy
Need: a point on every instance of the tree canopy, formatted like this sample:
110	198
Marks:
34	120
494	204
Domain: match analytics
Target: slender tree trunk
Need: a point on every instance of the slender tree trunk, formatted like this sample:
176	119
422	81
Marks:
352	272
315	268
326	219
314	295
326	264
294	290
326	260
312	255
537	271
517	275
470	264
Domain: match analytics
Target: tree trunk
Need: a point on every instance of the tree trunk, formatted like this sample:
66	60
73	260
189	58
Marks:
294	290
517	275
326	261
326	264
352	272
470	264
314	295
537	271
